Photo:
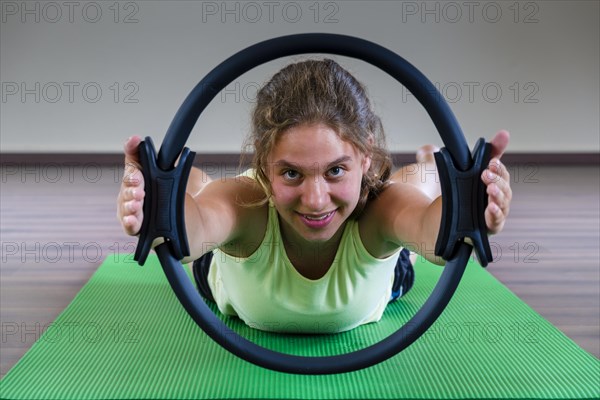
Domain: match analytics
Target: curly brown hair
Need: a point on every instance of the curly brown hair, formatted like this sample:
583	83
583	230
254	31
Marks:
320	91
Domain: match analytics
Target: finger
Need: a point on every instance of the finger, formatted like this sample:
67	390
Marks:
138	194
132	207
495	195
124	207
499	143
133	177
127	194
131	150
139	217
494	218
130	194
503	183
131	216
131	224
489	177
499	198
497	167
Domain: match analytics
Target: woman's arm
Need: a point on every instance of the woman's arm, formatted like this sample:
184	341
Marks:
215	211
407	216
402	216
221	215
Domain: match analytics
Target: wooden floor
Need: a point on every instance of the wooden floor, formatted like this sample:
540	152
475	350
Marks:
57	223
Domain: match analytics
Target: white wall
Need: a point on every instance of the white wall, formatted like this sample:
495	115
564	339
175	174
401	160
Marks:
145	56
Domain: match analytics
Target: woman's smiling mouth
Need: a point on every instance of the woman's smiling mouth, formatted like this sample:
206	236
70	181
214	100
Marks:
317	221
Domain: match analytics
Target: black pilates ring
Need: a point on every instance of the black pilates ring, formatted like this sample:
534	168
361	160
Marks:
165	184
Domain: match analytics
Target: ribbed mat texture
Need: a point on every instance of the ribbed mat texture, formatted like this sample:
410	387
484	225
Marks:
126	336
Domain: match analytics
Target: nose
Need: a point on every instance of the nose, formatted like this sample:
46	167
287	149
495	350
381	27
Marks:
315	195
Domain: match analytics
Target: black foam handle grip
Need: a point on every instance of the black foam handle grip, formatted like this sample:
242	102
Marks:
464	200
164	202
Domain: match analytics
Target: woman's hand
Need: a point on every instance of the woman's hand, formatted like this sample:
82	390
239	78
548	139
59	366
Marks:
497	180
131	195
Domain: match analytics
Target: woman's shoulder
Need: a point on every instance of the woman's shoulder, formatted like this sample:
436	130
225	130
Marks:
376	223
251	205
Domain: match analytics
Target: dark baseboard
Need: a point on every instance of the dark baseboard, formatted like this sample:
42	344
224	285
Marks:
98	158
559	159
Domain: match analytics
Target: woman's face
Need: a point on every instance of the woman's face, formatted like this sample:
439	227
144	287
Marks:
316	180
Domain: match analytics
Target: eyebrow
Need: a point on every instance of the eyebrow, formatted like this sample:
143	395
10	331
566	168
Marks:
288	164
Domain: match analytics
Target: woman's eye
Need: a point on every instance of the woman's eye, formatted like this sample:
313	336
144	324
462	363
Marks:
336	172
291	174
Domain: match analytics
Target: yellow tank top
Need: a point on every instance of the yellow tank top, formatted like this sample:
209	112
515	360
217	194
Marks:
268	293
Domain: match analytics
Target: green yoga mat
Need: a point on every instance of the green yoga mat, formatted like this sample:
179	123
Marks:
126	336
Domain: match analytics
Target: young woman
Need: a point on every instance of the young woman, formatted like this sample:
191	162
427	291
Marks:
316	236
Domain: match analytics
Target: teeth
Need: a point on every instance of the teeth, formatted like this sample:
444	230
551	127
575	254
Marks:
317	219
